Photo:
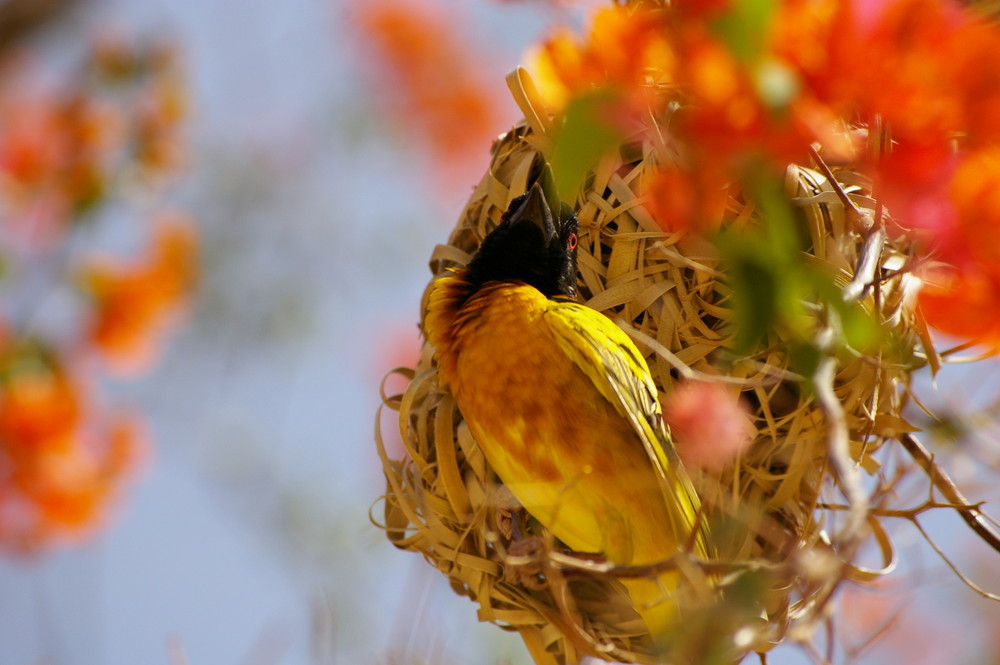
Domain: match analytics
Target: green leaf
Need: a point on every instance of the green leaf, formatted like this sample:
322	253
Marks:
588	133
755	307
764	264
746	28
859	328
804	357
861	331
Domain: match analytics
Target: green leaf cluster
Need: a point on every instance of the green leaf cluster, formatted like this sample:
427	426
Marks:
589	131
775	288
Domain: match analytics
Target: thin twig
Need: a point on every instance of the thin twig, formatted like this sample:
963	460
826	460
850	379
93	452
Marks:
954	568
905	513
977	520
863	219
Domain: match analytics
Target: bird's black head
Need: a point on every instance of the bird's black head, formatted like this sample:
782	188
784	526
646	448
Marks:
530	245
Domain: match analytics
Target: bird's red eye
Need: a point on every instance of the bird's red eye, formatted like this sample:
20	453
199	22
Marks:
571	243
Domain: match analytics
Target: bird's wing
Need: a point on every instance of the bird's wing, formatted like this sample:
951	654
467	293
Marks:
612	362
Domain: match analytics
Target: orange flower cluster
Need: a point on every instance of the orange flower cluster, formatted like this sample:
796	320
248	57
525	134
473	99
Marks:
742	89
60	459
623	53
63	154
133	304
924	68
962	296
153	116
52	159
724	108
432	82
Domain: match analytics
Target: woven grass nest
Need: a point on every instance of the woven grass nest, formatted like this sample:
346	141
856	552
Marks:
443	500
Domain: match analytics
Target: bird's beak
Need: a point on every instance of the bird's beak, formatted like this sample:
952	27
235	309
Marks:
535	209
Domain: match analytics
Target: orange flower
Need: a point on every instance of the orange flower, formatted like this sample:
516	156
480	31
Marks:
162	106
974	190
433	82
965	303
61	150
963	297
38	405
921	66
624	51
76	482
58	471
54	158
30	146
740	111
133	304
685	200
731	111
927	74
62	458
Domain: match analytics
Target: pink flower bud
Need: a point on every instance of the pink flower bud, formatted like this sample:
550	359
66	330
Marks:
710	427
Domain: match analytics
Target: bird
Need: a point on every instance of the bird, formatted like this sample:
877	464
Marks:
562	403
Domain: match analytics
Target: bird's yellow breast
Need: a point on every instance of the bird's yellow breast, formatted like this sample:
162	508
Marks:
560	446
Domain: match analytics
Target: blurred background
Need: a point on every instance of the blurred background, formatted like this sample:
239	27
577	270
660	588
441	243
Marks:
244	536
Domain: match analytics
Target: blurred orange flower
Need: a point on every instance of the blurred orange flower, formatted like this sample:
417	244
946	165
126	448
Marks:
963	297
624	51
433	81
61	150
963	303
135	303
682	199
921	67
750	99
59	467
161	109
64	151
54	159
720	114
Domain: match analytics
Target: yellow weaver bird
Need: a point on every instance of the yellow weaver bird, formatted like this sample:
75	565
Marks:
562	404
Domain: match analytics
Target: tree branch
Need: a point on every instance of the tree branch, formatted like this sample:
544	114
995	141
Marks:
977	520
